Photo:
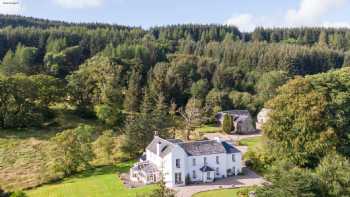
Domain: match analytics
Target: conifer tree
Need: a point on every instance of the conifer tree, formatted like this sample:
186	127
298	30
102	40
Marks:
227	124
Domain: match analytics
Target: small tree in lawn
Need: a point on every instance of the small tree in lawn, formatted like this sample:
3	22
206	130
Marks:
227	124
193	116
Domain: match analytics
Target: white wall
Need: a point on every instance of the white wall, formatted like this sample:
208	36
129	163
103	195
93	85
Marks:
176	153
237	163
211	162
168	164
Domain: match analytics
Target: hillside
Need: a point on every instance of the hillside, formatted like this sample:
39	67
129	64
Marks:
77	96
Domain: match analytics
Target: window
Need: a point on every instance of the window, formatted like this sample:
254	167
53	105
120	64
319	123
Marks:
233	158
194	174
194	162
205	161
217	171
217	160
178	179
178	163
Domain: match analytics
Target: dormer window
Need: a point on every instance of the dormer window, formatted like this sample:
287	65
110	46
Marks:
177	163
233	158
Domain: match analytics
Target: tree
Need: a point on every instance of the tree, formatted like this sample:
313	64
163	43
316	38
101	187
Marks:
227	124
308	118
162	190
50	89
139	129
268	84
132	101
109	115
71	150
55	64
105	147
193	116
200	89
22	61
18	107
334	175
291	181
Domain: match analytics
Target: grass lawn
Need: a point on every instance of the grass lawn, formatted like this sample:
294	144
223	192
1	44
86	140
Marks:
250	142
212	128
101	182
222	192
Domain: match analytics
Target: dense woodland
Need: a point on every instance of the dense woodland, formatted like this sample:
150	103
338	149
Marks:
135	81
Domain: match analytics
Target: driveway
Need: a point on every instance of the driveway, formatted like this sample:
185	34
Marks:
249	178
226	137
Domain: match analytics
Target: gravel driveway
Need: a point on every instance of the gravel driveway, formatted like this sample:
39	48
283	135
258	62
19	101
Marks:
225	137
249	178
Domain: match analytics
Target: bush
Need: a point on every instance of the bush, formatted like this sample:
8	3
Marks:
18	194
258	160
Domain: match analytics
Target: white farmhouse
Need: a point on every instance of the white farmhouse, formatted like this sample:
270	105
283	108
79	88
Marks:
181	162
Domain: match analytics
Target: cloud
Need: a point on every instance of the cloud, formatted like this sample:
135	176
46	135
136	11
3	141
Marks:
244	22
248	22
11	7
79	3
310	12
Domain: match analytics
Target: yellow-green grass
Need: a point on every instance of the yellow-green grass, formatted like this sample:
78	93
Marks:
23	152
223	192
251	142
209	129
101	182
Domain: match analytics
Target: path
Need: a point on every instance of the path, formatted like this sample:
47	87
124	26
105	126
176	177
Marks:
225	137
249	178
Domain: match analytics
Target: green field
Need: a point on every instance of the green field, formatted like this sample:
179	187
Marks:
101	182
209	129
251	142
222	193
23	152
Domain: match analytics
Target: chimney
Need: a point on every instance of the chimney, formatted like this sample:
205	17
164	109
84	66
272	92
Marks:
155	133
158	148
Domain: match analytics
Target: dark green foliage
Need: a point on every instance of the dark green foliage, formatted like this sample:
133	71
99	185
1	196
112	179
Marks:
71	151
288	181
330	179
162	190
139	129
109	115
23	60
310	118
334	175
25	99
227	124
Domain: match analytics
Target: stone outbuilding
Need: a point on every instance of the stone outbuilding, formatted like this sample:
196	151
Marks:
242	121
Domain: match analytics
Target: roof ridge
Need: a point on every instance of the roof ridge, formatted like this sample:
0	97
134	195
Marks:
195	141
